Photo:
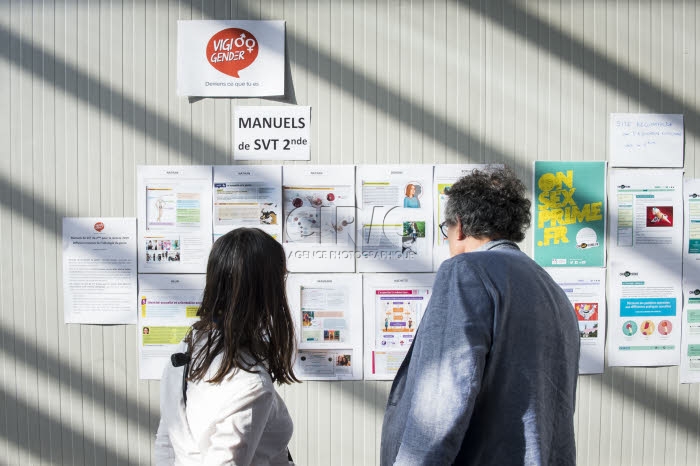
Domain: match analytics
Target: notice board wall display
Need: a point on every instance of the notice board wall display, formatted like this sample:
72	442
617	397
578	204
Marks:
389	83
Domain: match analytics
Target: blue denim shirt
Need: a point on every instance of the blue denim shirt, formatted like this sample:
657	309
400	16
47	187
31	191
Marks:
491	376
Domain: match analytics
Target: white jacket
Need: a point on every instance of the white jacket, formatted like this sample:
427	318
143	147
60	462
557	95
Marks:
241	421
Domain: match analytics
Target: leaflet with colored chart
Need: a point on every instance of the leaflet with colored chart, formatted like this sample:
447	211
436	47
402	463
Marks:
585	288
395	228
690	344
99	270
327	313
318	209
174	218
393	307
444	177
569	221
248	196
646	214
167	307
645	327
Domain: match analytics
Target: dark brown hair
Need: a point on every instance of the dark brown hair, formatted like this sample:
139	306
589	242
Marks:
244	310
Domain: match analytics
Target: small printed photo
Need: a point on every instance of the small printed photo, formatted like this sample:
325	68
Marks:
647	327
586	311
408	245
163	256
413	230
629	328
659	216
307	318
268	215
588	329
163	244
343	360
146	331
413	192
665	327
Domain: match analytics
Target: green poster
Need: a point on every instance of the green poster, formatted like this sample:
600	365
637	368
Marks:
569	220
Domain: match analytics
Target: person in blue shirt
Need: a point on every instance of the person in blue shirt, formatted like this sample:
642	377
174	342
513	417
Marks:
411	201
501	389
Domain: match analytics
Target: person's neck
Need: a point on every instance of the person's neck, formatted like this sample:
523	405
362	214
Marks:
470	244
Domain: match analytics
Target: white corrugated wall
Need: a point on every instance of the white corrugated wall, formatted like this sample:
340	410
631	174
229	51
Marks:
87	92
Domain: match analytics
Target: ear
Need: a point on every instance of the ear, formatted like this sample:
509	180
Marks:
460	234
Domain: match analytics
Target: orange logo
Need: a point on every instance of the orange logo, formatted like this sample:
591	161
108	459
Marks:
99	226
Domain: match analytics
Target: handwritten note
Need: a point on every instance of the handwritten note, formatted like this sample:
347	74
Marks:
646	140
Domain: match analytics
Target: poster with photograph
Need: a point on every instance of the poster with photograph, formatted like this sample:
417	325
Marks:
444	177
174	218
585	288
230	58
393	307
646	214
99	270
569	220
318	215
327	313
645	327
646	140
395	213
248	196
167	308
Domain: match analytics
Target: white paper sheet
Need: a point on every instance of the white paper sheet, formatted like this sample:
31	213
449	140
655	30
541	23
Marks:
167	307
318	210
393	307
248	196
99	270
174	218
645	318
645	214
585	288
444	177
690	343
230	58
272	132
646	140
327	312
395	213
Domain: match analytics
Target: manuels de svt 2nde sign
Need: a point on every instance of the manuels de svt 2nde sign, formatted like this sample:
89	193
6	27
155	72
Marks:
272	133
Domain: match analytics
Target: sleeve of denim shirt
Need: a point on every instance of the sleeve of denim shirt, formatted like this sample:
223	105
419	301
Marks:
447	365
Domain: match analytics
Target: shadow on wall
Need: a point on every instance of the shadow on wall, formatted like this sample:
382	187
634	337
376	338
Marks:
65	77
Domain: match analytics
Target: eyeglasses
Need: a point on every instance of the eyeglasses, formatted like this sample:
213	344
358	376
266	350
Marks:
443	229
